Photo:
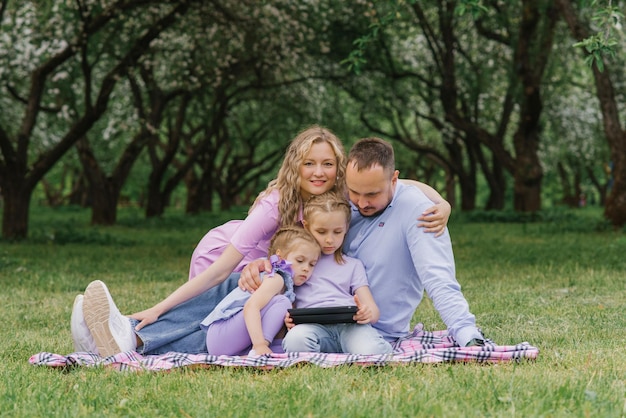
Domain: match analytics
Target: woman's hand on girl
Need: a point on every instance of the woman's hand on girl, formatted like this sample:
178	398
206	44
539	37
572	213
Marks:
435	218
146	317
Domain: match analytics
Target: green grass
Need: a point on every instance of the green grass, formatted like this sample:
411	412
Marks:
557	283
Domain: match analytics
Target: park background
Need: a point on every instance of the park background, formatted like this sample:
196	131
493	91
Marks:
129	128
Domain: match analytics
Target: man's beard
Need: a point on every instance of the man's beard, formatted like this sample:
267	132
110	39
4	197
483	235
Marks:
373	214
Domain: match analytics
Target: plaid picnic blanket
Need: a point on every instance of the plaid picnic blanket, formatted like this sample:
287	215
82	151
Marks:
419	347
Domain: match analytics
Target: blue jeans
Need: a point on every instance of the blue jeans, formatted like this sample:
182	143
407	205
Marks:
179	328
335	338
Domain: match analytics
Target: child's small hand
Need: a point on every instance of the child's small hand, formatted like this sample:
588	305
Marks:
364	312
259	350
289	321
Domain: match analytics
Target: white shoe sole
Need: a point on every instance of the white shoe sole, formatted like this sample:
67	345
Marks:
96	311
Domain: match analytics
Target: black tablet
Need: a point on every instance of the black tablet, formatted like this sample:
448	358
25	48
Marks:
327	315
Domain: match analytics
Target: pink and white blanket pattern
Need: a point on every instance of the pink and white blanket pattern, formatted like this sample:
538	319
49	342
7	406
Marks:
419	347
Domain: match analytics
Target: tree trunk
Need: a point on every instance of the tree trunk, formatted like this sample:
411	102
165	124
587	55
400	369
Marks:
80	194
207	182
154	201
192	205
468	192
104	191
494	175
615	209
527	188
450	189
158	199
467	179
104	204
533	48
600	187
528	174
571	192
16	207
497	186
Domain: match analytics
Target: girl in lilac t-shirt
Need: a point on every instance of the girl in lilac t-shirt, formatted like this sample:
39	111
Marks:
338	280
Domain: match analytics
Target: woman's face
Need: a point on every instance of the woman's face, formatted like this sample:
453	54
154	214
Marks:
318	171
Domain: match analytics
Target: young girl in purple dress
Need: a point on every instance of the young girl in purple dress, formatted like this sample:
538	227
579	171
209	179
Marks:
246	323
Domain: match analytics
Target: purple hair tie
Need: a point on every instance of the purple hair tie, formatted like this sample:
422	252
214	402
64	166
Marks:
278	264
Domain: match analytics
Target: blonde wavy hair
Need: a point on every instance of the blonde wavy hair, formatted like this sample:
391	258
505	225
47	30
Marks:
327	203
288	180
286	239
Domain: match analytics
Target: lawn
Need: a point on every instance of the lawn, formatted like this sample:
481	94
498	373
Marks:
557	283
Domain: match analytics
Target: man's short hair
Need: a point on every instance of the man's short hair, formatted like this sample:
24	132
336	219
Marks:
368	152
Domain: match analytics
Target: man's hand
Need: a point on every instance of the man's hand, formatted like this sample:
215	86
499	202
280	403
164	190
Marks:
435	218
250	278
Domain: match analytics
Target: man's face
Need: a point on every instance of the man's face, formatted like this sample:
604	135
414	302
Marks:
370	190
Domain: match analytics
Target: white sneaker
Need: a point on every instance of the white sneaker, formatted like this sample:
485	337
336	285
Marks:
83	341
112	331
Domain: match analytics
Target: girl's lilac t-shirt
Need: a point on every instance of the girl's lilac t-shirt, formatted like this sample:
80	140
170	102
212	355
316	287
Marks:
331	284
251	236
